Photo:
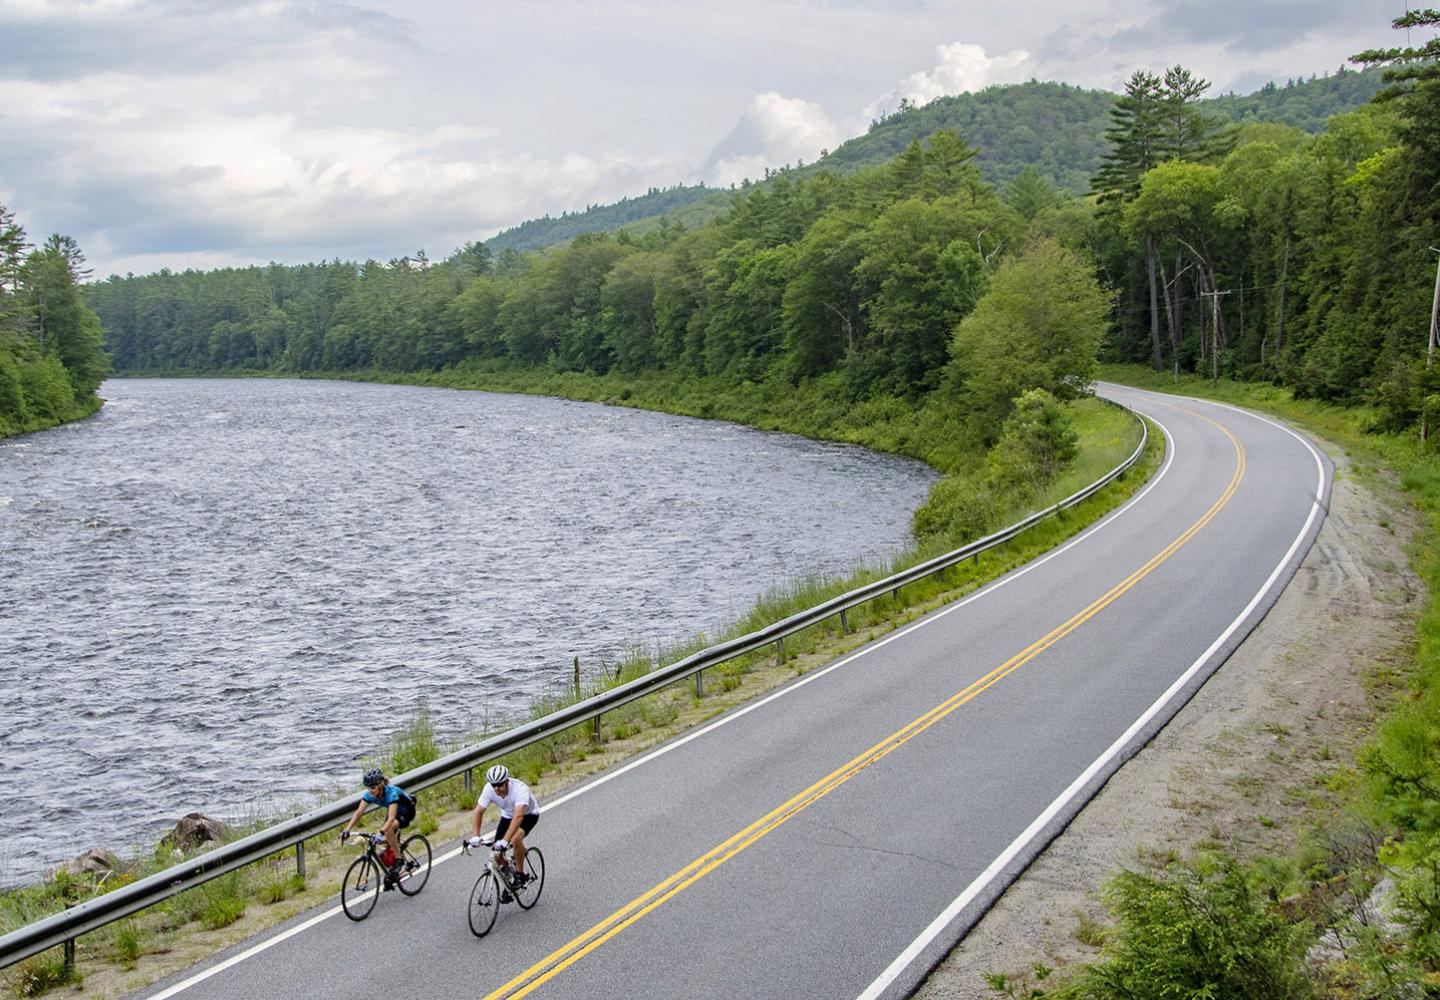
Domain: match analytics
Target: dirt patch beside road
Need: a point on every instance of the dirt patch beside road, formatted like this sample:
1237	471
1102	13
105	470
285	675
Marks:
1245	764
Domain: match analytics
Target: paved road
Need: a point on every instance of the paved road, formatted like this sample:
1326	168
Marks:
836	838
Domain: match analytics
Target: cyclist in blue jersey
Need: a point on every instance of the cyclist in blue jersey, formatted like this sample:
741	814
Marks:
399	808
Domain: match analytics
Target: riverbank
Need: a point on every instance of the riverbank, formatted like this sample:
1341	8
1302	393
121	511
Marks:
1267	763
151	945
78	411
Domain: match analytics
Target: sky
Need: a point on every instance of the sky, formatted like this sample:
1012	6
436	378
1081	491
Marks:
209	134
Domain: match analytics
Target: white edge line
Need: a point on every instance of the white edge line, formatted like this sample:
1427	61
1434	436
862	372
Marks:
724	720
930	933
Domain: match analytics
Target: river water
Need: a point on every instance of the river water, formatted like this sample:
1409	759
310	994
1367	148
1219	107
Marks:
216	594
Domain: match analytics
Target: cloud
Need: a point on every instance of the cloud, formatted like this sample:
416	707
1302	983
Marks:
294	148
774	131
1243	26
960	68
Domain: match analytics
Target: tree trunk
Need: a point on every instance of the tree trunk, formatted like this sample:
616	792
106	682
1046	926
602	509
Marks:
1155	359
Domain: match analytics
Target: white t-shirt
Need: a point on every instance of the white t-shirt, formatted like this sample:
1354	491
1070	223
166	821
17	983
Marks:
519	794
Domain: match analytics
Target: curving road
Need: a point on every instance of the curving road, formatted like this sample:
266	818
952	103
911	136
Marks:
837	837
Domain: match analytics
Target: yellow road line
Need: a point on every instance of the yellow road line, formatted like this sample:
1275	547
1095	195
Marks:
581	945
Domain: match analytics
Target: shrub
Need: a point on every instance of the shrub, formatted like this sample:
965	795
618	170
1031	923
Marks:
1037	442
1201	929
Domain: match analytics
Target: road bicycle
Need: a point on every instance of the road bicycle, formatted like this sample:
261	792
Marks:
368	874
496	885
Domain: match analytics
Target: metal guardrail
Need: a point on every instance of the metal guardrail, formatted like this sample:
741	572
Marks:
63	928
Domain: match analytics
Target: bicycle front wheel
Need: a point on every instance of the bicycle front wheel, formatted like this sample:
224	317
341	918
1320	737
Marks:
535	869
415	853
361	889
484	904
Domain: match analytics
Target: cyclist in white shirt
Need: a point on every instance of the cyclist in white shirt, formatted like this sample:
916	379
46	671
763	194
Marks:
519	812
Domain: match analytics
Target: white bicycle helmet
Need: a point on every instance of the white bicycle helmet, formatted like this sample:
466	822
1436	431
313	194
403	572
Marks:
497	774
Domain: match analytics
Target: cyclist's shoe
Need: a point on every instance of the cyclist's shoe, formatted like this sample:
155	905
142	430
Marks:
397	871
389	884
505	896
519	880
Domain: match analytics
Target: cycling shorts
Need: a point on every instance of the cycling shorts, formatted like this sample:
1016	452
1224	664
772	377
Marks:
527	823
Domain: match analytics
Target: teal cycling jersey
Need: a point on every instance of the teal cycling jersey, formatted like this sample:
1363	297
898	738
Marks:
390	795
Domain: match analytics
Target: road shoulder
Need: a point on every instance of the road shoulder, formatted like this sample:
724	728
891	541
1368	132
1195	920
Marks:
1247	760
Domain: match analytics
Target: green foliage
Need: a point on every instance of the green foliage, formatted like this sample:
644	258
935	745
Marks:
1201	930
1040	325
215	904
1036	442
51	359
46	388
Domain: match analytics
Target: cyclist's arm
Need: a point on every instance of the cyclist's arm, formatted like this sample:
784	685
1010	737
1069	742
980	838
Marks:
514	822
476	818
359	811
390	813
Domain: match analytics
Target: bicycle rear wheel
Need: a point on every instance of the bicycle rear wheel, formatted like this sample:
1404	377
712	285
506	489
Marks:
361	888
529	895
415	853
484	904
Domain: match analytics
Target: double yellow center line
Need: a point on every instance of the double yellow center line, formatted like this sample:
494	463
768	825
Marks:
571	952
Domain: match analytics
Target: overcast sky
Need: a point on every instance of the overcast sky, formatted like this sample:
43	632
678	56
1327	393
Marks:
207	133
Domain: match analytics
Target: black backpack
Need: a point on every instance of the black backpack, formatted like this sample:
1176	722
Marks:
405	808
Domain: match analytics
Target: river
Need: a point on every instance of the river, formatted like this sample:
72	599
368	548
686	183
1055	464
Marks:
217	594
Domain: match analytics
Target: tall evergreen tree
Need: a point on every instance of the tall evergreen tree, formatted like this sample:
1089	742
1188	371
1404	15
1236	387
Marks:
1135	137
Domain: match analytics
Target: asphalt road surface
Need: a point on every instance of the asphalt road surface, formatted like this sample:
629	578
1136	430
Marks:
837	837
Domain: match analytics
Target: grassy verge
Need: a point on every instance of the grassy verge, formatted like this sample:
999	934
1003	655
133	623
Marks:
1349	904
156	942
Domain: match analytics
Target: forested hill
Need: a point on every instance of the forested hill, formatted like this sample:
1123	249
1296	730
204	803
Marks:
1053	128
535	234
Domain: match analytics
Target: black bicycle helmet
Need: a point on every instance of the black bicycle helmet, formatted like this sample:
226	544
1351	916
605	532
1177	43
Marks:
373	777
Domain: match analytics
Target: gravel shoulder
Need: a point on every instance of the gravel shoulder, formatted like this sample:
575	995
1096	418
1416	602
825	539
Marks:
1246	764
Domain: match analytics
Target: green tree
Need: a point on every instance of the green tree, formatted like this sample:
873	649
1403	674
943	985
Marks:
1136	146
1037	442
1040	325
1030	194
921	273
67	328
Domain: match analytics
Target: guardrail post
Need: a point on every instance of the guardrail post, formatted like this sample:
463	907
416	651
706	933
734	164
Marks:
843	626
300	859
780	651
469	780
69	972
699	684
597	727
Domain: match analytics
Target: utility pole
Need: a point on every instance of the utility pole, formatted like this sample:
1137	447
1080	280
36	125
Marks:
1215	334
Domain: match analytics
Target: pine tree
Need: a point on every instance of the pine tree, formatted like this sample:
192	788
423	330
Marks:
1135	137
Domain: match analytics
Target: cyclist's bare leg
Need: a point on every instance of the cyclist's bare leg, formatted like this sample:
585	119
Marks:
391	829
519	844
